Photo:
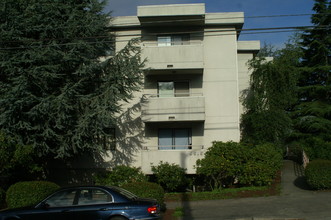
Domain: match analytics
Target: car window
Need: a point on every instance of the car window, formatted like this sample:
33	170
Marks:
93	196
62	198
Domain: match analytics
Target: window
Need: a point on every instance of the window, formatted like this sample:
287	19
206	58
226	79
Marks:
62	198
109	142
173	89
169	40
175	138
93	196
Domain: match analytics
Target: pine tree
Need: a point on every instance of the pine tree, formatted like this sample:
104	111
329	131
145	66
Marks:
58	93
312	114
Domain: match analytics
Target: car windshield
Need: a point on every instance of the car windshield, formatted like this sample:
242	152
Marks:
125	193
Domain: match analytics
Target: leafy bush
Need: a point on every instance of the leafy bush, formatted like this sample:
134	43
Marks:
170	176
229	163
318	174
2	198
120	175
317	148
146	190
262	165
17	161
223	162
28	193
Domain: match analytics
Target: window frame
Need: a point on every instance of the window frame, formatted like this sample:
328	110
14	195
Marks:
173	145
174	93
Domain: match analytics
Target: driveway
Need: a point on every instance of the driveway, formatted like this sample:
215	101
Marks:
296	202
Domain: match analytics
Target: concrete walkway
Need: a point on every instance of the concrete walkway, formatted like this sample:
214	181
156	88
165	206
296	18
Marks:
296	202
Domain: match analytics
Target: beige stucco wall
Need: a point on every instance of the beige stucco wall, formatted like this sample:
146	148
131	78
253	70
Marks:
216	71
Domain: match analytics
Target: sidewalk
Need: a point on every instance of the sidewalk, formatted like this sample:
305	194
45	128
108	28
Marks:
296	202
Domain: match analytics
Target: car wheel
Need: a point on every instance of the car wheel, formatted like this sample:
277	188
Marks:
118	218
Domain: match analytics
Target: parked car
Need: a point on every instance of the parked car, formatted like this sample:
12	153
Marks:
88	203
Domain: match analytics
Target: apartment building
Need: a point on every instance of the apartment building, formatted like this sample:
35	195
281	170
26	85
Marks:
196	70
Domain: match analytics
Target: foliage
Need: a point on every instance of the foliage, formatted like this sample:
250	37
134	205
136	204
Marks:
16	161
222	163
311	114
120	175
318	174
271	92
146	190
316	148
230	162
170	176
179	212
2	198
59	88
28	193
261	167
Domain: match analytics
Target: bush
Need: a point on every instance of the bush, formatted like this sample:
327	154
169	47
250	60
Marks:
28	193
318	174
262	165
170	176
147	190
223	162
316	148
120	175
228	163
2	198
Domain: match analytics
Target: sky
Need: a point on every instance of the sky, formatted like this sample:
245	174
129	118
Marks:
251	9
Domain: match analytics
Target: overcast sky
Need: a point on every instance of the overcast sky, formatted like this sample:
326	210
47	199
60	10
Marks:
249	7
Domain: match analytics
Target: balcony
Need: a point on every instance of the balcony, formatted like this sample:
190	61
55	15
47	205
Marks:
166	109
173	57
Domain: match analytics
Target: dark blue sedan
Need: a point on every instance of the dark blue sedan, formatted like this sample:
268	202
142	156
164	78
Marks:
88	203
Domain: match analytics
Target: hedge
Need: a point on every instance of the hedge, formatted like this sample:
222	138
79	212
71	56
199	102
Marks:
147	190
170	176
318	174
2	198
229	163
119	176
28	193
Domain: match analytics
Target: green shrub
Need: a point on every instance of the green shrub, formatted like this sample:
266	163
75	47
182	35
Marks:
2	198
228	163
261	166
317	148
146	190
170	176
318	174
120	175
28	193
223	162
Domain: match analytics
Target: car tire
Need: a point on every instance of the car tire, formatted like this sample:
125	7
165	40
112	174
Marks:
118	218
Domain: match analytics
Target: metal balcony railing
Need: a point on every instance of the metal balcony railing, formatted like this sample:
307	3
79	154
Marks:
174	147
175	95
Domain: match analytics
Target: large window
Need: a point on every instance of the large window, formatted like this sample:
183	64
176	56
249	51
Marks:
169	40
175	138
173	89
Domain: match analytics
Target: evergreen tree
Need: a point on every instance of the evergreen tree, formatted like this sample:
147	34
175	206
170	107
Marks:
312	113
58	92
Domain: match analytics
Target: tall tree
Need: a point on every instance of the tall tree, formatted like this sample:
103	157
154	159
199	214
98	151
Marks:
58	91
271	92
312	114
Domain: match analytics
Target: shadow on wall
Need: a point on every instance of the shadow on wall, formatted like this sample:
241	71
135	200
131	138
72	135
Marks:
81	169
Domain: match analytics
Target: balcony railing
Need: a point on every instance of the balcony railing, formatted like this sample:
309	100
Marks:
175	56
174	147
183	107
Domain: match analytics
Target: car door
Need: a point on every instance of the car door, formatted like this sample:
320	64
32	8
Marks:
58	206
93	203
